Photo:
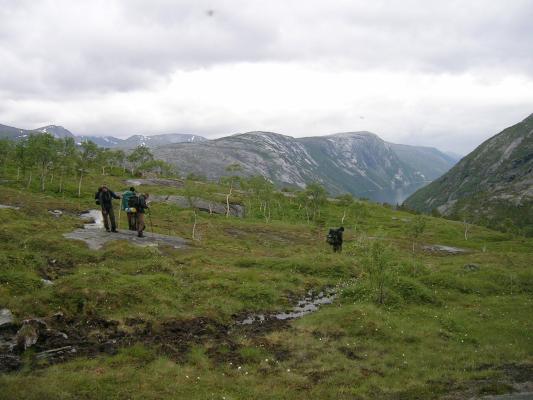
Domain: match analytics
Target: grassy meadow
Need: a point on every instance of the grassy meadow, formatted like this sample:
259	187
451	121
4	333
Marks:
405	324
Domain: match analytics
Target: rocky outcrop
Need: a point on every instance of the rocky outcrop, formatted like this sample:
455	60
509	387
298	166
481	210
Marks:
356	162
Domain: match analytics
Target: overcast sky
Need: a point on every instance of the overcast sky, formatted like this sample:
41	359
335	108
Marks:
444	73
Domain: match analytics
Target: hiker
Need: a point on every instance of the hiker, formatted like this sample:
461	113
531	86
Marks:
104	198
142	206
334	238
129	197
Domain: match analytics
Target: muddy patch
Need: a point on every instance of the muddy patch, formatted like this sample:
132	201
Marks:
514	382
96	237
58	339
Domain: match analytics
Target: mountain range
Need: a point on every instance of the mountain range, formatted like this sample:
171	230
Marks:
102	141
493	185
359	163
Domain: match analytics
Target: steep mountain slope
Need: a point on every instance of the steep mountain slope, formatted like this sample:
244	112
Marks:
357	162
428	159
492	185
12	133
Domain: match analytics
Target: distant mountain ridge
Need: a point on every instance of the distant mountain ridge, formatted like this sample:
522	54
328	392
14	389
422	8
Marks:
102	141
493	185
360	163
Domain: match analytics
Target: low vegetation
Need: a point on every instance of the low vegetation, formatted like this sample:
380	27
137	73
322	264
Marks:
407	322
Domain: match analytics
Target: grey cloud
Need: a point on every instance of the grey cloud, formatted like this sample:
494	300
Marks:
69	46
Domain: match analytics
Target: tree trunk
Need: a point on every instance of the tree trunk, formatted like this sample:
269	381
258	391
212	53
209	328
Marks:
79	184
227	201
18	173
29	181
61	183
43	177
343	217
194	226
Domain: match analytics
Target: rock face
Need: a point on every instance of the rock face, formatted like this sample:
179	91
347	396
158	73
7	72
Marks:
493	185
357	162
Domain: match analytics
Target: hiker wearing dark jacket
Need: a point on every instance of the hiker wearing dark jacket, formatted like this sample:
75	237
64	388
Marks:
130	211
334	238
142	206
105	197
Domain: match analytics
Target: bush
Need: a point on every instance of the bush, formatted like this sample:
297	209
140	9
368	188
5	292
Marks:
412	291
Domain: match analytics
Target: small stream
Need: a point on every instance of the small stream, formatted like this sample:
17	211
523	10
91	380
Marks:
310	304
95	219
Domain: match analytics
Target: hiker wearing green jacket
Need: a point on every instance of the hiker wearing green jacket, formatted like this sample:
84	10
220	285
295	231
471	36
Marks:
130	211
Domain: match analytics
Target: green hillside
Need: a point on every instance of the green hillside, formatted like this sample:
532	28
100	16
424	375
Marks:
408	321
490	186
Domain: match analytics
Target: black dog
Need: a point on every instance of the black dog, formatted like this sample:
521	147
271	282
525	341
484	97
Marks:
334	238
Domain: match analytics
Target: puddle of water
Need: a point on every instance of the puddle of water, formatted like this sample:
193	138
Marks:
96	217
311	303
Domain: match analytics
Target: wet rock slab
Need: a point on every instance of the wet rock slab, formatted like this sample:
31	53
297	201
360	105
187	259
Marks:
96	237
446	250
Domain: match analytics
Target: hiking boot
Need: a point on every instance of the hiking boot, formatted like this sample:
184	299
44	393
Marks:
140	234
107	230
114	231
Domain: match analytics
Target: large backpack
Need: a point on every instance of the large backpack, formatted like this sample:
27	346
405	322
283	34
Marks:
133	201
332	237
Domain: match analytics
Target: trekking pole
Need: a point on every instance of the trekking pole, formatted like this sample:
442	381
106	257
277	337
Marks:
150	219
119	210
